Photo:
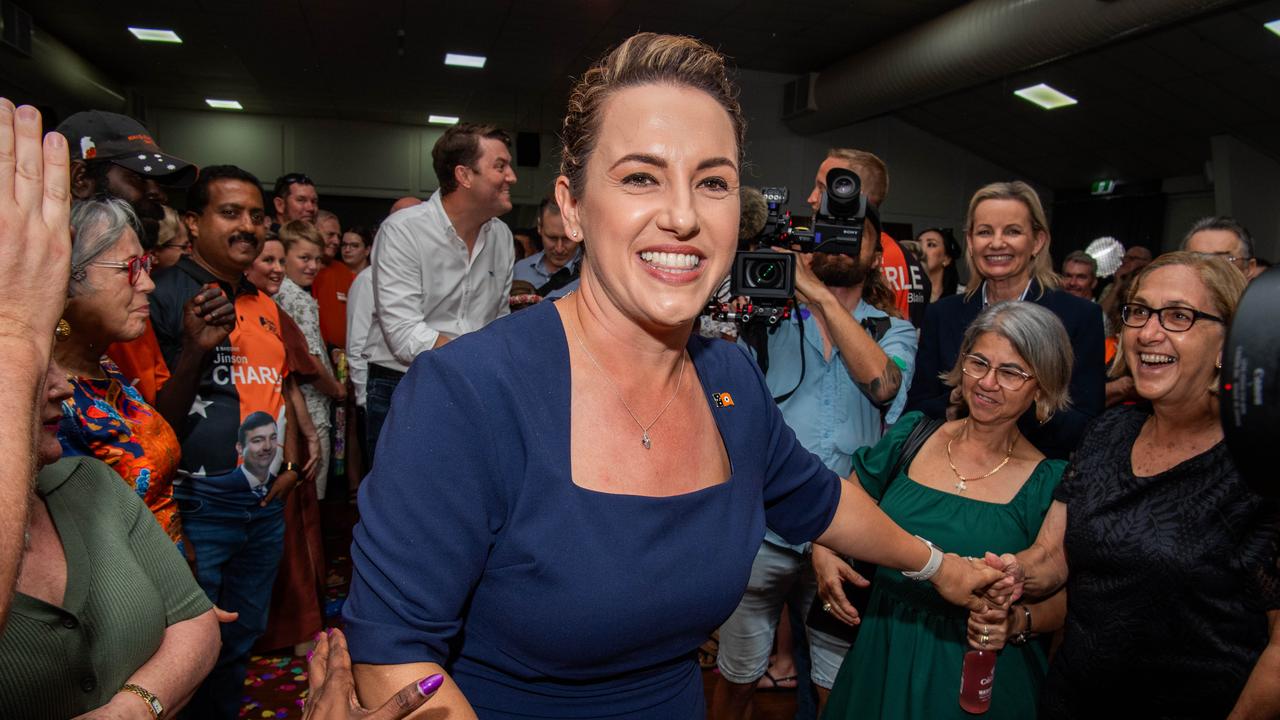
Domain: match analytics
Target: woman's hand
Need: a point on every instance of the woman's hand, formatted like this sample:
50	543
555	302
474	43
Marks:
1010	588
35	227
312	466
965	582
832	571
332	693
281	487
989	629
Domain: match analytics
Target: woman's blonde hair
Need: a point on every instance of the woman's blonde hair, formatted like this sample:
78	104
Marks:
169	227
1223	280
1041	264
642	59
296	231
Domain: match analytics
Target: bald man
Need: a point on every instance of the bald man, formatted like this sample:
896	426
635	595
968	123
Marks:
405	202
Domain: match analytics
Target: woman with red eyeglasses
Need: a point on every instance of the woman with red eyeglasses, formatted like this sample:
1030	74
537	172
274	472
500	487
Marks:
106	417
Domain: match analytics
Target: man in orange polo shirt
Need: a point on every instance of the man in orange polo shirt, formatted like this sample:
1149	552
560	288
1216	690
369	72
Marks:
331	285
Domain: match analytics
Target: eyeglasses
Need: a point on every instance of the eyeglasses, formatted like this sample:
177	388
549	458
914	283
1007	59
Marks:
1173	319
1234	260
135	265
286	181
977	367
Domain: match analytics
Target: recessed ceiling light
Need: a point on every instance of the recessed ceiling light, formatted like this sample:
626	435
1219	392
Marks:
224	104
442	120
153	35
1273	26
471	61
1045	96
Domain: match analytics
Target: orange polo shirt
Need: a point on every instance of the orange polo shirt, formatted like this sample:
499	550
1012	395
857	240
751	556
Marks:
141	363
330	291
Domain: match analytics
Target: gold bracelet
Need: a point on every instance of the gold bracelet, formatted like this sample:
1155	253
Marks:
153	702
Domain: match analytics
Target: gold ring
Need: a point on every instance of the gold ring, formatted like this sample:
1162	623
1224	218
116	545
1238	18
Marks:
984	639
826	607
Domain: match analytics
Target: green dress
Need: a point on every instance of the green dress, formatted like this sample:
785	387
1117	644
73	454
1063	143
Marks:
907	659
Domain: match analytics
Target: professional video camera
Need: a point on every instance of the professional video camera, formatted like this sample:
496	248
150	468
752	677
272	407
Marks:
1249	398
767	279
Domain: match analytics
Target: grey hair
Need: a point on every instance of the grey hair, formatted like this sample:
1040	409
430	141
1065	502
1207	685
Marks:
98	226
322	215
1082	257
1221	222
1039	337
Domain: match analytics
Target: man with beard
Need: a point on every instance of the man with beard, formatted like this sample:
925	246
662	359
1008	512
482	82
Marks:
295	198
114	154
442	268
228	363
839	370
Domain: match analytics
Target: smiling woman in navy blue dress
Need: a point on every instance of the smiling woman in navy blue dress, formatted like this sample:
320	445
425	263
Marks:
566	503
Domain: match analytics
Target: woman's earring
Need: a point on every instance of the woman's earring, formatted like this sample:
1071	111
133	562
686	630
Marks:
63	330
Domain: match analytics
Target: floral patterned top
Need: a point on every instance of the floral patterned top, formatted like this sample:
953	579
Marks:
306	313
108	419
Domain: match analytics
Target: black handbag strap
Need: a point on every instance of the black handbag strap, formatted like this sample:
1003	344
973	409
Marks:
915	440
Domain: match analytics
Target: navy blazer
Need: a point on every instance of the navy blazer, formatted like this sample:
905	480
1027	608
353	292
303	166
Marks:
944	325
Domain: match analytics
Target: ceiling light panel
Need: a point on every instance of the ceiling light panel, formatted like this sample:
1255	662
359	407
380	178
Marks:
224	104
459	60
1273	26
155	35
1045	96
442	120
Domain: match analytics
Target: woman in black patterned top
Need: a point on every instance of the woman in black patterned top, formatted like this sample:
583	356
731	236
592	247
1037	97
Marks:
1173	585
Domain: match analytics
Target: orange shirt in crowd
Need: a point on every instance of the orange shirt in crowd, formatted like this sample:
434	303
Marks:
141	363
906	278
330	290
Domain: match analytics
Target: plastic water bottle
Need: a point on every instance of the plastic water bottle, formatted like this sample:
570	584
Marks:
977	679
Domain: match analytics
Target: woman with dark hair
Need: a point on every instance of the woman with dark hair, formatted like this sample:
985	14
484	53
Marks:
1170	561
539	512
1008	257
941	253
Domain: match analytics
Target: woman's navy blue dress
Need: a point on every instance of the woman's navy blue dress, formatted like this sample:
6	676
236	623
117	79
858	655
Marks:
476	549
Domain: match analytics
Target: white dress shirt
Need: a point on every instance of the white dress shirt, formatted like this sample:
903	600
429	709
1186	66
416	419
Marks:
359	321
425	283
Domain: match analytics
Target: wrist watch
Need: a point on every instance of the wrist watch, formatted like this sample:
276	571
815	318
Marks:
930	568
153	702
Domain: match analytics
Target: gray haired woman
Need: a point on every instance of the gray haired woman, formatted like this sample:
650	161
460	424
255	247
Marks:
106	417
974	484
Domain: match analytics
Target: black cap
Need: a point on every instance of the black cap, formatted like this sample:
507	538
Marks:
99	135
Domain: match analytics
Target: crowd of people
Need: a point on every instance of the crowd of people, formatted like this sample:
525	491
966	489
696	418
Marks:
569	477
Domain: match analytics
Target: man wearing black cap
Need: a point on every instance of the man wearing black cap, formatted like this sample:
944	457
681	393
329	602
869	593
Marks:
115	154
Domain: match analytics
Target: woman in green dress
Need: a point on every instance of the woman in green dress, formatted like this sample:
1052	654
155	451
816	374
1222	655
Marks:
975	485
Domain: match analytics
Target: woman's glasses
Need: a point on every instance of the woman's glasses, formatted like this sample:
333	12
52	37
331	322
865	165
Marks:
1173	319
977	367
135	265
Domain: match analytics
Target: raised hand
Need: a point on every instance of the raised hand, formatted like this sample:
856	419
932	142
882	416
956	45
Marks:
35	227
207	319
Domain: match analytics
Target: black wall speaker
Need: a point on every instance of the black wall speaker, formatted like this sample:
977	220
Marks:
528	149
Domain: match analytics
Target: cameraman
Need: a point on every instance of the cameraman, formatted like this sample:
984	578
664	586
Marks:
840	369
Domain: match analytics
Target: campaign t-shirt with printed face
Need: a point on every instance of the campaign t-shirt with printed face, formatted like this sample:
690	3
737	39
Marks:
907	279
237	416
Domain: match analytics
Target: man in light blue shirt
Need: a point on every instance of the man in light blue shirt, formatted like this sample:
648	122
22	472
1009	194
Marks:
840	368
559	251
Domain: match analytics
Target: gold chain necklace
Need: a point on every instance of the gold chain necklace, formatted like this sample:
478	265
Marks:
961	480
644	429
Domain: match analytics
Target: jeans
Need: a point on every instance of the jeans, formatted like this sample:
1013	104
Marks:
378	391
238	550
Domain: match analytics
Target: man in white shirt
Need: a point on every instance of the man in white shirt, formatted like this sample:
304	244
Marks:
442	268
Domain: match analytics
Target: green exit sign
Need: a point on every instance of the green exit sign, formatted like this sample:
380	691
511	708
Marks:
1102	187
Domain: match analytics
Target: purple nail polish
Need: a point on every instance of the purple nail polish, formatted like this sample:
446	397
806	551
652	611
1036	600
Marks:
429	685
309	654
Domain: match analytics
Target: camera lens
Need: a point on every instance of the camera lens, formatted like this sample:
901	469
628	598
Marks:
764	274
844	187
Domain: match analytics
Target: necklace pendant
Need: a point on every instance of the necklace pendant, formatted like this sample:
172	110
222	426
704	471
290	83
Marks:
645	440
961	486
